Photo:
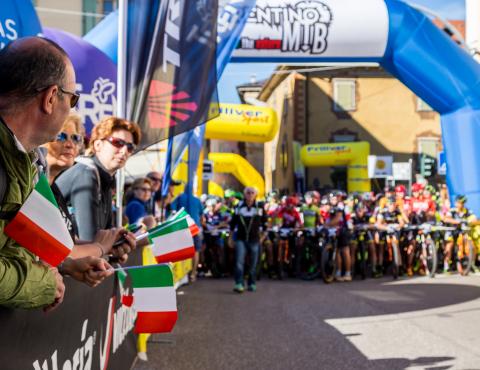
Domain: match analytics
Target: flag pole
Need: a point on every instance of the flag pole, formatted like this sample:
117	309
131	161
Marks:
121	95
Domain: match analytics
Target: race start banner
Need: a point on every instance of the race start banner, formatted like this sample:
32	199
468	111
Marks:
299	30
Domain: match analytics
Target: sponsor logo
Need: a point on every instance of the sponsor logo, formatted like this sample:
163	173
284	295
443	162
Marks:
302	27
81	358
168	107
98	103
8	32
337	149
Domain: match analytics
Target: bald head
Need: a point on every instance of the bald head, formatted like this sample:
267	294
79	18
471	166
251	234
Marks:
27	66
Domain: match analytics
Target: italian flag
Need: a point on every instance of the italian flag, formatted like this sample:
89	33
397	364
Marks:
154	298
172	241
39	226
194	229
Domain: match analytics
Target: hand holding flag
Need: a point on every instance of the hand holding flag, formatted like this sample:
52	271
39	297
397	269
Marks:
39	226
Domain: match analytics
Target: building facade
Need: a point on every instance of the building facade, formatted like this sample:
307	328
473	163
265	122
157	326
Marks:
346	105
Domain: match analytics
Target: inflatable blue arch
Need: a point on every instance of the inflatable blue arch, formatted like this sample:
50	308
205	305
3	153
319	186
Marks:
400	38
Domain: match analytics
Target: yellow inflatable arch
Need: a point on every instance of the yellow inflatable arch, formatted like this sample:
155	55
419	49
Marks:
215	189
241	122
352	155
240	168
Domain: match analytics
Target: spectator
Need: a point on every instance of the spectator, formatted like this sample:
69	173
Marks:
194	207
156	179
59	157
246	223
87	186
36	95
137	207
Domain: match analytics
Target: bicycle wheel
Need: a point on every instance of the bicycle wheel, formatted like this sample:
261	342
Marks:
467	259
310	259
328	263
362	258
430	254
395	259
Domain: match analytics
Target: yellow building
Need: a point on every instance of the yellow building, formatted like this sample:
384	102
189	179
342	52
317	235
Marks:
344	105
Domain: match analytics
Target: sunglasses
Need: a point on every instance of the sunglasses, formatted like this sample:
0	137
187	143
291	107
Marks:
63	137
155	179
145	190
73	99
119	144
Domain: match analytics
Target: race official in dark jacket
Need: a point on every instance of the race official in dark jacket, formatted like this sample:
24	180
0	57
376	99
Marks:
246	224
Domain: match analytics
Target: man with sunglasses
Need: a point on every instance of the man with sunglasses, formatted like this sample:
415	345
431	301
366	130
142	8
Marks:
36	95
88	185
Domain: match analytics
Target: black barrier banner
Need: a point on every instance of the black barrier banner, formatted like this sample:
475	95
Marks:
90	330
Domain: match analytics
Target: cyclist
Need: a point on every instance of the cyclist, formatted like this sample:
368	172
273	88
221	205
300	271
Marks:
458	216
337	218
388	218
311	212
214	222
361	218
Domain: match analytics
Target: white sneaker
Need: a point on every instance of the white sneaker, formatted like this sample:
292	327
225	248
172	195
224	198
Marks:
339	278
347	278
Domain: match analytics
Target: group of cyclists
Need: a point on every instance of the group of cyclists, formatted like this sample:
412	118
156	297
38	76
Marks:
337	235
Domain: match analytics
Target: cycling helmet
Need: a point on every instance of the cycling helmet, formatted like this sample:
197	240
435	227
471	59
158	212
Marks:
211	202
316	195
388	189
229	193
367	196
417	187
292	201
400	189
461	199
324	201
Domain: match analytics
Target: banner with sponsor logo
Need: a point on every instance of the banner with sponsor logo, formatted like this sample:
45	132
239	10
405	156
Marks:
302	30
91	329
96	77
17	19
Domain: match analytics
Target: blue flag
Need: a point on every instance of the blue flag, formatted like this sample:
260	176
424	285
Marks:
232	16
17	19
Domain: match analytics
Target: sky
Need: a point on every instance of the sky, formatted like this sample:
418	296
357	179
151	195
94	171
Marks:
238	73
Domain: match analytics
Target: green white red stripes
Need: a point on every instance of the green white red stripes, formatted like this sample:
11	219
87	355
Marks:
154	298
39	226
194	229
172	241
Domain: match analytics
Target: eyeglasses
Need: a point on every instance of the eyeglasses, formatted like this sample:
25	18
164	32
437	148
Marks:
119	143
73	99
155	179
63	137
145	190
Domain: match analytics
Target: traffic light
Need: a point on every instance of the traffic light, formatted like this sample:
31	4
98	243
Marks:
428	165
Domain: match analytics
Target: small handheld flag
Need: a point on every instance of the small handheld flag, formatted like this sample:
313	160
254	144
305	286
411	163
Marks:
39	226
154	298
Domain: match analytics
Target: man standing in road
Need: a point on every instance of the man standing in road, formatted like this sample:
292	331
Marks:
246	224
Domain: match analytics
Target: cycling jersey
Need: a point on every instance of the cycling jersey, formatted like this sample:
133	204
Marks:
460	215
290	217
389	217
311	215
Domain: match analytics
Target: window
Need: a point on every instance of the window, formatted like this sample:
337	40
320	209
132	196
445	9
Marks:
344	95
423	107
429	146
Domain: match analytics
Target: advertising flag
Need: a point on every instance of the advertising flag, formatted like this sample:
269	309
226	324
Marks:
17	19
39	226
175	90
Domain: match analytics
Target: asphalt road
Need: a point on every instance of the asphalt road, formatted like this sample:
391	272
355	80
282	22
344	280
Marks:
374	324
